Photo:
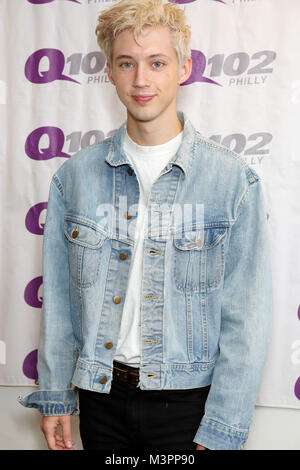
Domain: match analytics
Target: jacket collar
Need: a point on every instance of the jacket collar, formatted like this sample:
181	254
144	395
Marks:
183	158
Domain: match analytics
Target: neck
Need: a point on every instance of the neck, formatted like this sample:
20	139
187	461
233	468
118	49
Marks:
154	132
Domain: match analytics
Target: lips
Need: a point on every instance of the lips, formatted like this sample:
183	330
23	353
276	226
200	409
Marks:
143	98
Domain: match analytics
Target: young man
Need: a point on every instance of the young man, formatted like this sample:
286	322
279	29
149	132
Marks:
156	266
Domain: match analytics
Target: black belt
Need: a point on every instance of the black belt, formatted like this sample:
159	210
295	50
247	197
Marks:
125	373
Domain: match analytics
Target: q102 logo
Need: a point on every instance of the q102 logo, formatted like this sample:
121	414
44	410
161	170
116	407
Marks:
240	68
41	2
48	65
35	148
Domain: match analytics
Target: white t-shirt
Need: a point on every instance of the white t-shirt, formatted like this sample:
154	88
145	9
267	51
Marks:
148	162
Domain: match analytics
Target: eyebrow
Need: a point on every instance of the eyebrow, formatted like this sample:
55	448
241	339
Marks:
125	56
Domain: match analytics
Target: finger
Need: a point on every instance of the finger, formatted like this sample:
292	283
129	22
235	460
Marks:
60	444
52	444
66	431
60	441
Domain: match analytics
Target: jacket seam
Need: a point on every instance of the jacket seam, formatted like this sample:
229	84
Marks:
244	198
57	183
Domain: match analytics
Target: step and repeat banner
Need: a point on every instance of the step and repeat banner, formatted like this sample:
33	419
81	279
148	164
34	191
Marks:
55	98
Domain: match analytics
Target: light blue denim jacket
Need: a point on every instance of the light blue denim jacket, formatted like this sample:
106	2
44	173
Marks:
206	297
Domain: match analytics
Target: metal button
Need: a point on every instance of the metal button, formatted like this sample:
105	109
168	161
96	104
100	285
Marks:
103	379
130	171
199	242
109	345
117	299
123	256
127	215
75	233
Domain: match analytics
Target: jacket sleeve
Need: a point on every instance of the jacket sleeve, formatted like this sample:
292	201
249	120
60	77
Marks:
56	351
246	318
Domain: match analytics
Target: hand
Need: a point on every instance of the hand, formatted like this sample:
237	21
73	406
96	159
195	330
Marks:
54	440
198	447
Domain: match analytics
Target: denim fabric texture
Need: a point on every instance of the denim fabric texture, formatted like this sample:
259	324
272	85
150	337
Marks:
206	302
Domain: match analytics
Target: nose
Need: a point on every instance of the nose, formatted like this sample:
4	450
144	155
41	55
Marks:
140	79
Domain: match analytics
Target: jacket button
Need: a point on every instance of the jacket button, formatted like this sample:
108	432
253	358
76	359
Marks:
123	256
117	299
130	171
103	379
127	215
75	234
109	345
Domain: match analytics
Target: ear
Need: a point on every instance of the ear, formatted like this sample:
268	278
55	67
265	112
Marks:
186	70
109	73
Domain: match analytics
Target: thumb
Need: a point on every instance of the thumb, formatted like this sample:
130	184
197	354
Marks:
65	422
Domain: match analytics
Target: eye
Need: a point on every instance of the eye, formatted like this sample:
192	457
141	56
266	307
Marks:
157	64
125	65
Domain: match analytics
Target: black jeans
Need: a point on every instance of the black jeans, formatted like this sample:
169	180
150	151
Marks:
131	418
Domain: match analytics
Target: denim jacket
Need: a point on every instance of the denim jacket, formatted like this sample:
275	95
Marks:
206	297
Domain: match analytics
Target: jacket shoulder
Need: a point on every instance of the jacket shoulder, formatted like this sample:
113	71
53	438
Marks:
228	157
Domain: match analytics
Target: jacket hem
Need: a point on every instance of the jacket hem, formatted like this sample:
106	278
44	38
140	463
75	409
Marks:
152	376
218	436
52	402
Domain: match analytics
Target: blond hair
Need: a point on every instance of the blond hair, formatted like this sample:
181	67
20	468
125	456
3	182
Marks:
134	15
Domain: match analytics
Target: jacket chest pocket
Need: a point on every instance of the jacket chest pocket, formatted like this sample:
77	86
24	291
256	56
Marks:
199	259
85	250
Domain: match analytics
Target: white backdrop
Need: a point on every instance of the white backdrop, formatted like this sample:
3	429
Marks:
55	98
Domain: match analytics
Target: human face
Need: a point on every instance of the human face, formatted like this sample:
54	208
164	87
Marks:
146	75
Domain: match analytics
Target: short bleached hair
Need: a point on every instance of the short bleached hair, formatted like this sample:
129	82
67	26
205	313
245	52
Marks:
134	15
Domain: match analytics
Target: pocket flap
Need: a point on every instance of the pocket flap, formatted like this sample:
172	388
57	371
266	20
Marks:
199	239
83	234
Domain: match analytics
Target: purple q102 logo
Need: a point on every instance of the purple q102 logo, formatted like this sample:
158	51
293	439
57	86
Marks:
32	219
31	294
198	67
30	365
41	2
56	141
233	65
91	63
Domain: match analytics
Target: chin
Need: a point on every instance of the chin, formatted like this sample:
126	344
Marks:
143	115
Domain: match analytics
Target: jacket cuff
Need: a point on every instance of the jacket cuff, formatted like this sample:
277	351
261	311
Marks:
219	436
52	402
